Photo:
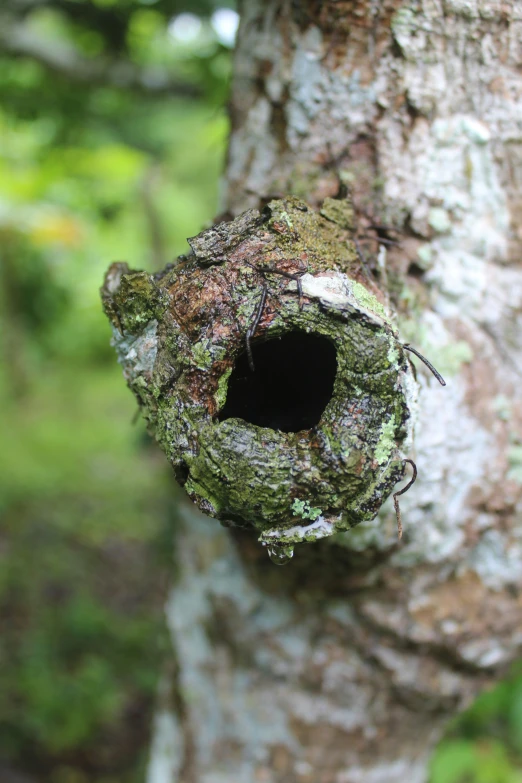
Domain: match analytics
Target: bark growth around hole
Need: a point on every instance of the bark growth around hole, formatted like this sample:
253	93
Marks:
181	336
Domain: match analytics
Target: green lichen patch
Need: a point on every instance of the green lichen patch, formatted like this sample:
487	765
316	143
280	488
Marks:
286	217
386	442
221	393
393	352
439	220
515	463
302	508
368	300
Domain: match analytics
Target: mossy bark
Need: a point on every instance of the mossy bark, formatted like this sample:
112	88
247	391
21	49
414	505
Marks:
346	665
180	333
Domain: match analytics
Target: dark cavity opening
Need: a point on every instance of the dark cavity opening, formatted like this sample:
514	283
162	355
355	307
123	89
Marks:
290	387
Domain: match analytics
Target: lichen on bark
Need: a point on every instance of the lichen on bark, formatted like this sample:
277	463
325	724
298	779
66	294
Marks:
181	336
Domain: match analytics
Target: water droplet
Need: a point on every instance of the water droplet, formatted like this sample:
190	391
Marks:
280	554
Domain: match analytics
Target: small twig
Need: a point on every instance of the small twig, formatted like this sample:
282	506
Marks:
253	326
289	276
259	312
362	258
428	364
383	227
381	241
401	492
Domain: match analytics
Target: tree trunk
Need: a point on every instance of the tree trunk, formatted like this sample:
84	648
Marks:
345	665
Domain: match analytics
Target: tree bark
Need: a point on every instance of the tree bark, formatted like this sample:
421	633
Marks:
345	665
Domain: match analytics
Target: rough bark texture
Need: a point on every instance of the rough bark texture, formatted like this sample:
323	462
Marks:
345	665
307	443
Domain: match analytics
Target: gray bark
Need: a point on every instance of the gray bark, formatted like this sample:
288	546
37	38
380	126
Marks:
346	665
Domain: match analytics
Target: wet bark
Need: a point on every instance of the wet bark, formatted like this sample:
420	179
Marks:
345	665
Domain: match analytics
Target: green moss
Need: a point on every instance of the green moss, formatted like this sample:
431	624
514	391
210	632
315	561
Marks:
202	355
221	394
311	235
339	211
138	301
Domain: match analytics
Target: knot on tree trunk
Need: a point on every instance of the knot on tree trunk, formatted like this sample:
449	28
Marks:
270	372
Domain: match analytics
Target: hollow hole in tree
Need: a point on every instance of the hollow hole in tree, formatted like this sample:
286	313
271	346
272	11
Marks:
290	387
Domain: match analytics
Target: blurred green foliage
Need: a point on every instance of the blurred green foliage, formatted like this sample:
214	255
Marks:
93	171
89	173
484	745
